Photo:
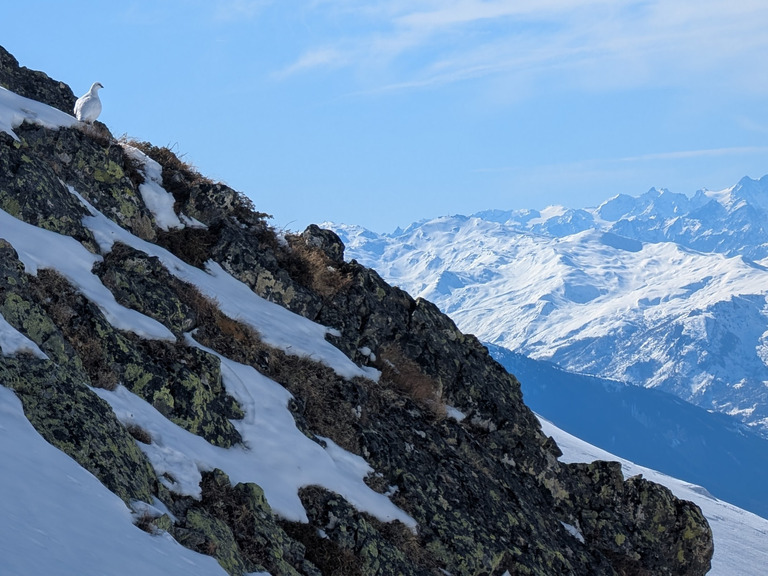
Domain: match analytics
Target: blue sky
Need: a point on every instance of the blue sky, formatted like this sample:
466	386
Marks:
381	113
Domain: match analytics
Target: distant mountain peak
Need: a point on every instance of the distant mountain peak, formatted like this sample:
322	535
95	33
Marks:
613	291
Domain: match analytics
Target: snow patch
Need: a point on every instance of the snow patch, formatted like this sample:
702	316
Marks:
573	531
156	198
276	325
15	109
454	413
39	248
57	518
274	454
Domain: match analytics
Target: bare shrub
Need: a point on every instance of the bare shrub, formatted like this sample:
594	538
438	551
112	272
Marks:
65	305
139	434
311	267
405	375
327	555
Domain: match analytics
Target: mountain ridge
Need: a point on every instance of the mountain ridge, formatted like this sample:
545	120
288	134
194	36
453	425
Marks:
598	289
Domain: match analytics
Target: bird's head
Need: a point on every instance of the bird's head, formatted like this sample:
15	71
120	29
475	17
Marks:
96	86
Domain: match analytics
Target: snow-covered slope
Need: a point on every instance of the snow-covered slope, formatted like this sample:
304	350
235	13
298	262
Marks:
625	291
59	519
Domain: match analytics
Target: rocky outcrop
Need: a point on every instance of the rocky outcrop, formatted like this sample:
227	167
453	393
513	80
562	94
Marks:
445	427
34	84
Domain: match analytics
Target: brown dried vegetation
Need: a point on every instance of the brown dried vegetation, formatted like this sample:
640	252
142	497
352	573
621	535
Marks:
328	556
405	376
312	268
64	305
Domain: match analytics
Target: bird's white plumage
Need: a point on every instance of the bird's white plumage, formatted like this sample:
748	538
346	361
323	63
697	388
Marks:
88	106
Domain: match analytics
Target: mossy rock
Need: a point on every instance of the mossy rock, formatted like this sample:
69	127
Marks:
184	383
260	542
96	166
31	190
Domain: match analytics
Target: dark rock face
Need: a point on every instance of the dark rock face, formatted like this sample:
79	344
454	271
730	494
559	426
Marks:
33	84
487	492
629	520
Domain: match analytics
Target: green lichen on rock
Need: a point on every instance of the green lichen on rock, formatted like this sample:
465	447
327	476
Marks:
183	382
353	543
67	413
27	316
209	535
30	190
96	167
637	523
240	519
56	397
140	282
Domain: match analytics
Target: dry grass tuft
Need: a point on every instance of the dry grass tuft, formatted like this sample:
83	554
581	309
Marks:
146	522
139	434
179	177
167	158
408	542
311	267
405	376
63	304
192	245
328	556
317	387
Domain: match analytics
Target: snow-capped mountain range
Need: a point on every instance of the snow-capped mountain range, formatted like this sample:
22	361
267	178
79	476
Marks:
660	290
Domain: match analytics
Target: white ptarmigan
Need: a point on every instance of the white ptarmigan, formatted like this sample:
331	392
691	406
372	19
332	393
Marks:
88	106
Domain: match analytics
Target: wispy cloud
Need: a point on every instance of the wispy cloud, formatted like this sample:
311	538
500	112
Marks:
326	57
598	43
684	154
596	165
229	10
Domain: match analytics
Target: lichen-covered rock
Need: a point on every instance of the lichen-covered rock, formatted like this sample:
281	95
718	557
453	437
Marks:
31	191
33	84
67	413
140	282
57	399
238	526
352	544
325	240
631	521
207	534
181	382
97	168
